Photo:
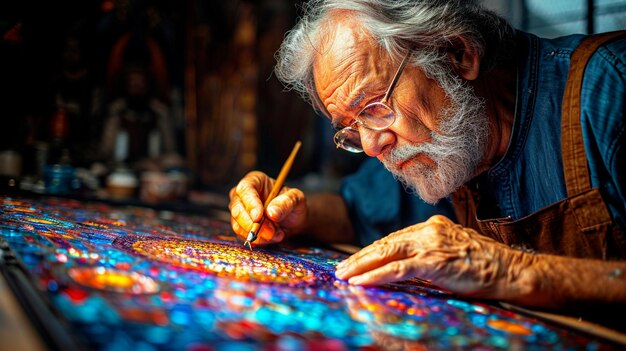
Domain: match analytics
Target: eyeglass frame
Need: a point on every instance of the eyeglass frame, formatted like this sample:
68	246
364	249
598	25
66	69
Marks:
351	128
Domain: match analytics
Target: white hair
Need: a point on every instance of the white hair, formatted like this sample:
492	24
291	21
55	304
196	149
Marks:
428	26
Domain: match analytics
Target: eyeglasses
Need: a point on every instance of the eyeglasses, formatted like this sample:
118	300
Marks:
375	116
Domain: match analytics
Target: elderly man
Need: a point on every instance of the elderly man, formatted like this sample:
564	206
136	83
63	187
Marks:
462	109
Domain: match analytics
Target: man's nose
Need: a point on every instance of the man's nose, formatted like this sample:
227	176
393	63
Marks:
375	142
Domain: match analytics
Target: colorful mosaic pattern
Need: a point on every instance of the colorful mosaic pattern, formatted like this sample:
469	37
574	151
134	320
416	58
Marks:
227	260
132	279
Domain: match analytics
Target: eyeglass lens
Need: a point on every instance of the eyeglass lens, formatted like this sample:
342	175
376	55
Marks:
349	139
376	116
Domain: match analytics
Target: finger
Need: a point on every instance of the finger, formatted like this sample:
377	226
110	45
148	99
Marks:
283	205
233	224
391	272
279	208
378	249
241	217
347	264
236	208
249	192
409	238
279	235
374	256
266	233
238	229
269	233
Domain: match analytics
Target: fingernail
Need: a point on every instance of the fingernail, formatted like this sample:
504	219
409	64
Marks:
355	280
255	214
272	211
341	264
339	273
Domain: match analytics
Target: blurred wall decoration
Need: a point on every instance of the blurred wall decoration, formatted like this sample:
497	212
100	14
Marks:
149	85
239	118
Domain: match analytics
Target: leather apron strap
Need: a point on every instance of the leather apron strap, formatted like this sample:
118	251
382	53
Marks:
577	179
575	169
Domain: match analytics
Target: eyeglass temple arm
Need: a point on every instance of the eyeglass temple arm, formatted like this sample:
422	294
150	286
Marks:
396	77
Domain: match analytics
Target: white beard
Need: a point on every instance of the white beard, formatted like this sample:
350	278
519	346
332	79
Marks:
456	150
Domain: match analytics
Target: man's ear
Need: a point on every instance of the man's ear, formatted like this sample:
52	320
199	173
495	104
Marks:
464	59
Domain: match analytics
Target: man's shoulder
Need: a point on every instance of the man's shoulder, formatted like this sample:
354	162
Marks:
608	61
565	43
606	67
612	53
555	46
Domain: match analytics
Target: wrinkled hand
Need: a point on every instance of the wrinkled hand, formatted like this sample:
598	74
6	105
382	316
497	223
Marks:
285	215
450	256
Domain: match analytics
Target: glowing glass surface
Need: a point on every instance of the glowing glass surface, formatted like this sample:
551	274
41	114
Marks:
125	278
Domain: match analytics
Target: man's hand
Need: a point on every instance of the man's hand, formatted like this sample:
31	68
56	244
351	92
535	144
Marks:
285	214
450	256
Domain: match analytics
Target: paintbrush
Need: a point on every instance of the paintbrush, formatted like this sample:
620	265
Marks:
254	230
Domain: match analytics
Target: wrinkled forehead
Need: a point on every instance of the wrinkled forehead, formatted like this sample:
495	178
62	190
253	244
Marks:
340	37
345	51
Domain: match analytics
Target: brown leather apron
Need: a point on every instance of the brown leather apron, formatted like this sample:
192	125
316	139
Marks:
578	226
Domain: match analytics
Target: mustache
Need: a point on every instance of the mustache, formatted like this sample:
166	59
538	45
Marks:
403	153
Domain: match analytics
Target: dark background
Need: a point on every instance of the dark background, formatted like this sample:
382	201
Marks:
209	62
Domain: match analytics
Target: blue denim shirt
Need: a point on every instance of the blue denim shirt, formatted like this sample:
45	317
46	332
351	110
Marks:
530	175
